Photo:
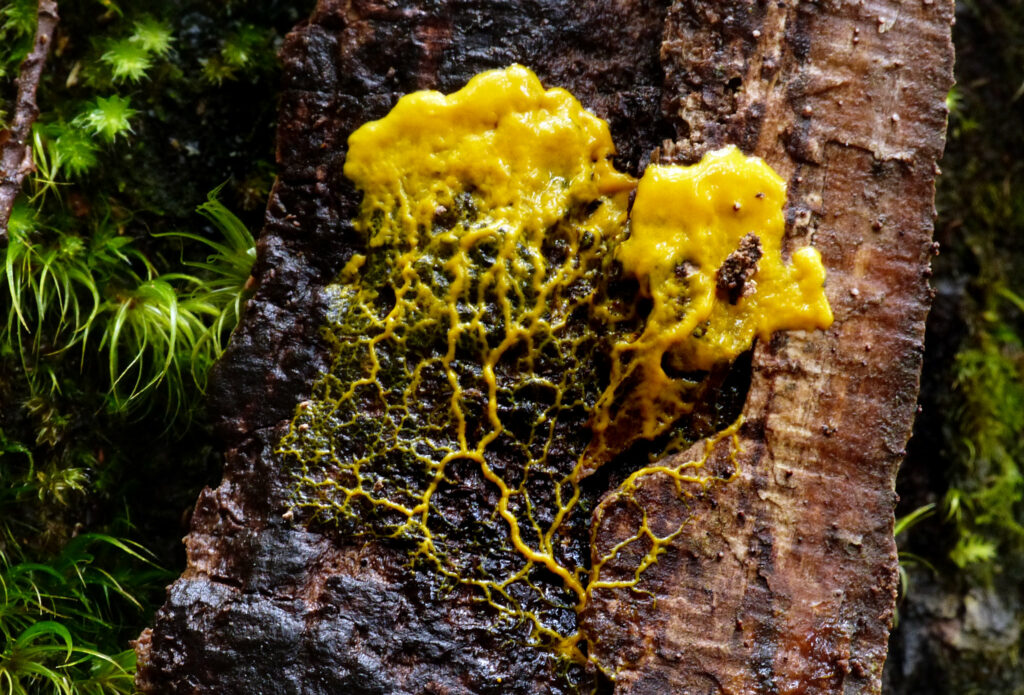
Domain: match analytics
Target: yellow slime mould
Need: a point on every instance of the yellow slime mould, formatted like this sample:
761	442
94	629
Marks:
509	327
526	153
686	224
706	247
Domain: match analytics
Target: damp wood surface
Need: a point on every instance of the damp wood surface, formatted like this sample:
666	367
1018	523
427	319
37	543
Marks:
784	579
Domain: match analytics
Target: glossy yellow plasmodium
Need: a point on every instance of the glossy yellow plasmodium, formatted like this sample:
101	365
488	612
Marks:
706	248
526	153
505	332
686	223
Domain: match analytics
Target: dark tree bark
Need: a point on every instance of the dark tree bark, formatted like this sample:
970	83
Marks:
784	579
15	142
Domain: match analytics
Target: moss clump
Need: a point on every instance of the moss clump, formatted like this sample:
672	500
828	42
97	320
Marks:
961	624
118	297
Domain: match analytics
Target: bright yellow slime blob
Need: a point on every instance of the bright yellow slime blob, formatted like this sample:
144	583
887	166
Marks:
706	247
509	328
526	153
686	222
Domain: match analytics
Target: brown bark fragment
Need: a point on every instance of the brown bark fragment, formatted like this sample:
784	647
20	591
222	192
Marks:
15	147
738	267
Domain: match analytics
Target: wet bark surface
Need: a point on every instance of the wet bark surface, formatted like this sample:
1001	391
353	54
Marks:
783	579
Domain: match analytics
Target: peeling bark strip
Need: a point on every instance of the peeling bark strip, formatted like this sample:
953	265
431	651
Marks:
15	148
784	579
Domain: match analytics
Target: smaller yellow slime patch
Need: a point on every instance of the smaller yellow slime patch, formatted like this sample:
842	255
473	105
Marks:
686	222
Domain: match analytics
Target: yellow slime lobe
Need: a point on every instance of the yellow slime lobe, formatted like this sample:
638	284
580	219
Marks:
706	248
686	222
507	329
526	153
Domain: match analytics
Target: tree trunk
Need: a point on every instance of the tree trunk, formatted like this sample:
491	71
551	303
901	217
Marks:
783	579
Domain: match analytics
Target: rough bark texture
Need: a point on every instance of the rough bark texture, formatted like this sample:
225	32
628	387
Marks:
784	578
15	149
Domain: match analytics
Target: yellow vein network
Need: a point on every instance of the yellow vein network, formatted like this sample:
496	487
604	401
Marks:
511	326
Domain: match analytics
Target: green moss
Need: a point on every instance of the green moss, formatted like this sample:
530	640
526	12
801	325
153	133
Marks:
962	623
974	375
986	498
118	298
